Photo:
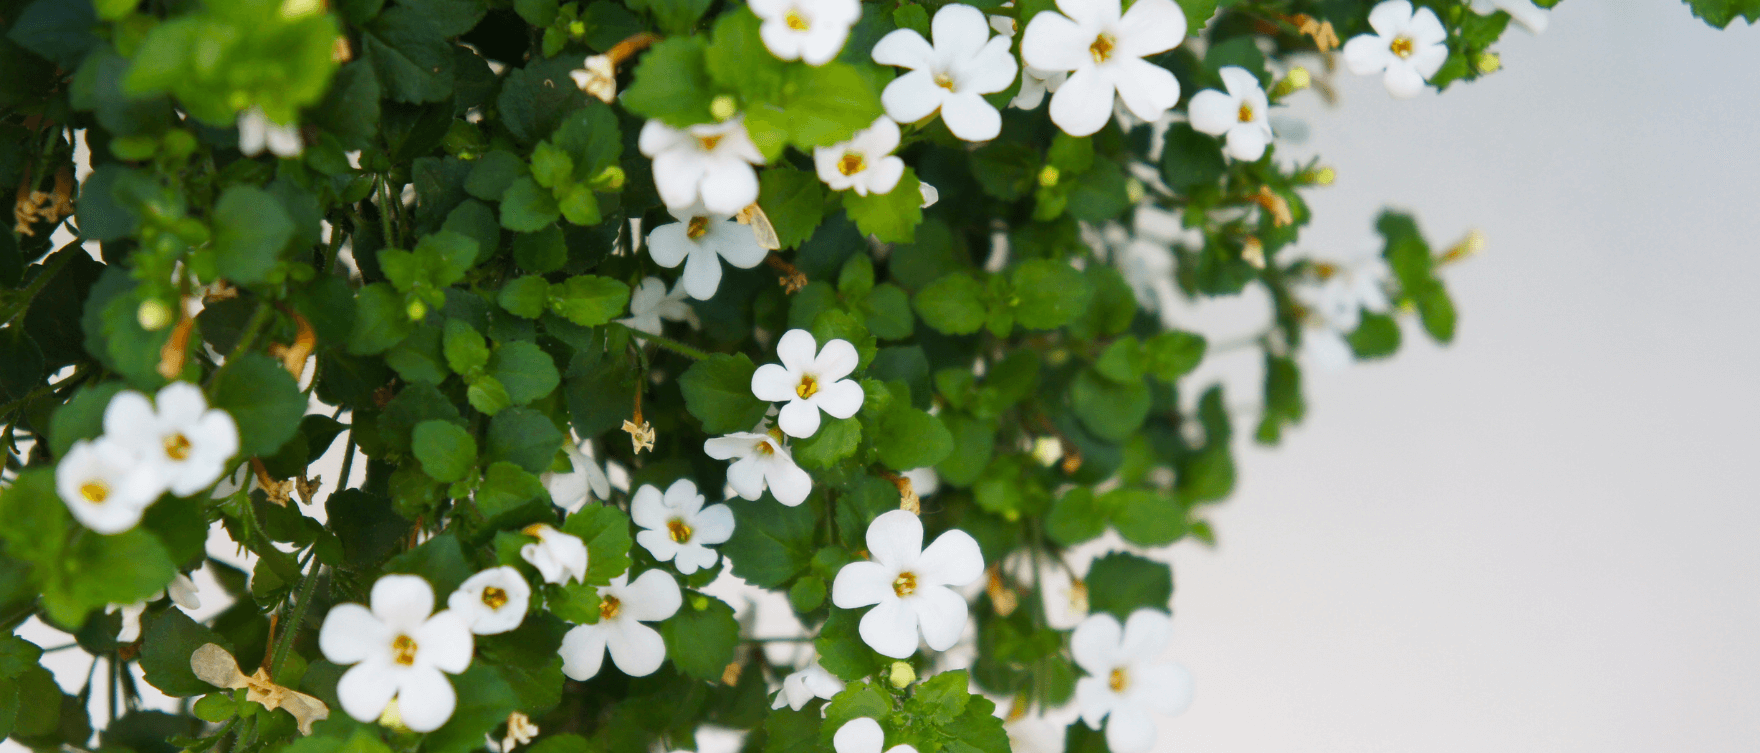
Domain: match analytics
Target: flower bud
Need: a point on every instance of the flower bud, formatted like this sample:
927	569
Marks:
1047	450
901	674
577	29
609	179
1048	176
417	311
1488	62
153	315
1133	190
1297	80
723	107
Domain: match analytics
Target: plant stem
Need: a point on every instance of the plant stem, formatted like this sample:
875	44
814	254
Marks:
670	344
385	212
347	463
41	281
307	586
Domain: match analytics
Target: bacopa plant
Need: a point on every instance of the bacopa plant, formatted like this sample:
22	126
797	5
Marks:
487	356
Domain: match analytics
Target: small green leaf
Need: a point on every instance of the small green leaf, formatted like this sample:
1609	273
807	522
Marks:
262	398
589	300
891	217
909	438
952	305
525	296
1173	354
527	207
524	370
718	391
1048	294
1121	583
605	529
701	641
523	437
250	231
447	452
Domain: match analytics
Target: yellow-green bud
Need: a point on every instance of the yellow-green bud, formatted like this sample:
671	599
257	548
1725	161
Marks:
901	674
1047	450
417	311
723	107
153	315
1297	80
1488	62
577	29
609	179
700	603
1321	177
1133	190
1048	177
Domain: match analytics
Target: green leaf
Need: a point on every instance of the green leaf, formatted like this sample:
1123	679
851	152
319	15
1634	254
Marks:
487	395
1173	354
857	700
551	167
978	729
527	207
82	417
418	357
589	300
466	351
1076	517
1190	159
1377	336
99	570
525	296
1436	312
913	17
493	173
165	651
890	217
841	649
1121	583
524	437
672	83
447	452
411	55
507	488
771	543
673	16
807	594
910	438
941	699
524	370
262	398
484	701
1122	361
718	391
250	230
952	305
440	561
836	440
1048	294
1145	517
701	636
794	200
381	320
605	529
1112	411
541	252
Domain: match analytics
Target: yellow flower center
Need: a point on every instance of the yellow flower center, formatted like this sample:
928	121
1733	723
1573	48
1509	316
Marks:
1119	680
698	227
808	386
403	650
795	21
609	606
1402	46
1246	113
680	532
1325	271
177	446
944	81
851	163
905	584
95	492
494	598
1101	49
708	142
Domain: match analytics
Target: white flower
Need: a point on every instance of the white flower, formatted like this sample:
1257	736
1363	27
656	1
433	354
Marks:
810	383
762	461
105	485
1334	307
805	685
176	433
572	490
864	163
678	526
1103	53
1409	46
965	63
710	163
700	240
635	648
909	584
256	131
1035	84
930	195
863	735
398	650
808	30
492	601
1124	680
650	304
183	594
1239	114
924	481
1525	12
560	557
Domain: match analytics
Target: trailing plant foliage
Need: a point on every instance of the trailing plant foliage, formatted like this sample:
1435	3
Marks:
548	277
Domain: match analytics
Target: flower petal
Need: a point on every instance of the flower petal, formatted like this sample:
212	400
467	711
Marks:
425	699
859	735
647	507
1149	27
797	350
1162	688
636	649
713	525
1426	28
747	476
788	483
884	175
129	417
366	688
678	174
1213	112
1429	59
904	48
445	642
912	97
1145	634
941	614
351	634
1247	142
959	31
1147	89
402	602
1095	644
1239	81
728	186
1093	13
658	137
702	273
658	543
1366	54
835	361
1095	700
1056	43
583	650
991	70
799	419
891	629
1084	103
895	539
653	596
774	383
738	245
668	244
1391	17
953	559
1129	730
970	117
730	446
1402	80
860	584
841	398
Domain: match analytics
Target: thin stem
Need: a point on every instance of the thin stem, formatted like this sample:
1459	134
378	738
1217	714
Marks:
77	376
347	463
670	344
259	320
308	585
41	281
385	212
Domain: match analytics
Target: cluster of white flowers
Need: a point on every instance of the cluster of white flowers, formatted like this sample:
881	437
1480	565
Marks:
170	443
1333	306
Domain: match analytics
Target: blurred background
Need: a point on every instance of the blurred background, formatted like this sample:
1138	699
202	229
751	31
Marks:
1543	538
